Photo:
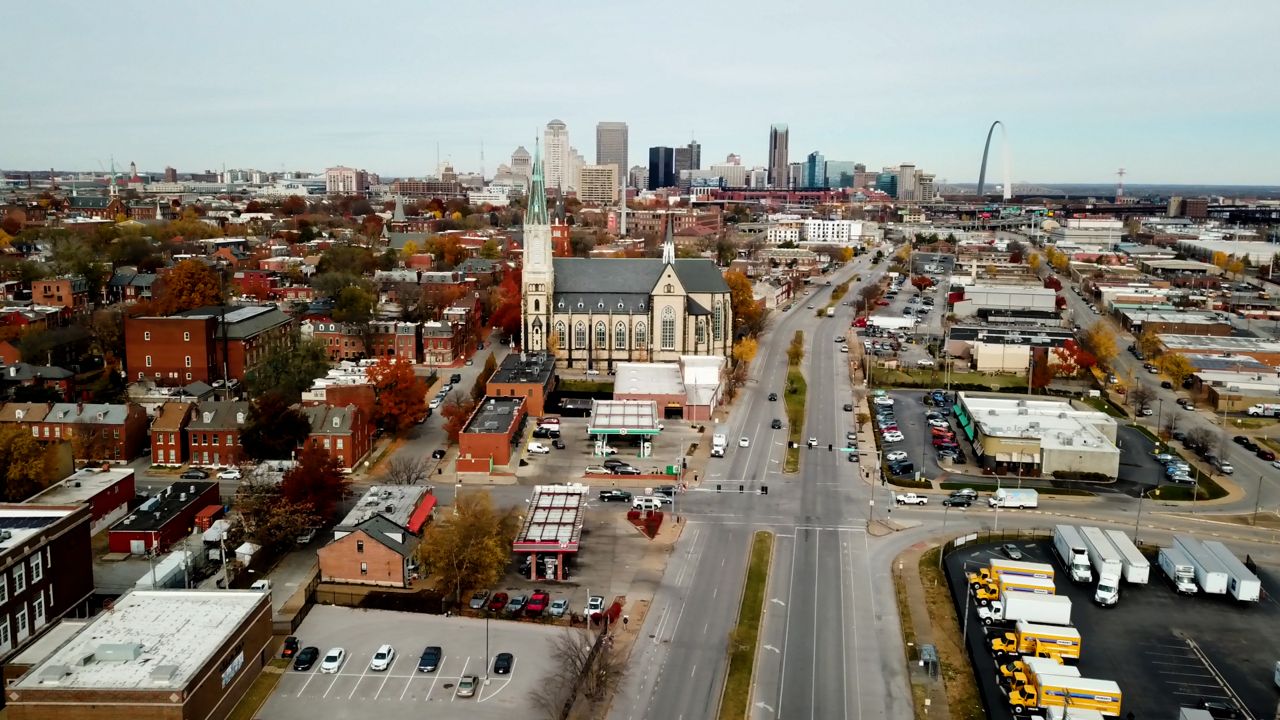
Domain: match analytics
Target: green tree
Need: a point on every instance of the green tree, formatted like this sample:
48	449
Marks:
348	258
470	548
490	250
354	305
288	369
275	429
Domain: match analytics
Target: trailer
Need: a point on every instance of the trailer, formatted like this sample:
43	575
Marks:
1137	569
986	594
1048	691
1211	574
1031	607
1009	672
1106	562
1175	565
1026	638
1014	498
1072	553
1242	584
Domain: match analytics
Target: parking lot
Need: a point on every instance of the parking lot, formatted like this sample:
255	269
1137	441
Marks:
1163	650
401	692
568	465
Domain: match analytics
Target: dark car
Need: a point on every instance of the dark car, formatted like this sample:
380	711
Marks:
478	599
438	454
612	463
625	470
1219	708
542	433
502	663
1265	454
194	474
305	658
1240	440
1166	385
773	397
957	502
848	407
776	424
290	647
430	659
455	378
902	468
615	495
498	602
668	490
557	444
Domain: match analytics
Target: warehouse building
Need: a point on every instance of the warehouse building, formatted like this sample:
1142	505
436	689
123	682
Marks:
1038	437
492	435
157	654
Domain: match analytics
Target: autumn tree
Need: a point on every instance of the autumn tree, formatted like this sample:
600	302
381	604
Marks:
25	465
455	412
795	351
1043	370
288	369
507	315
316	479
747	313
353	259
1148	342
401	395
469	548
744	350
1035	263
1100	339
1177	367
190	285
922	282
274	428
267	518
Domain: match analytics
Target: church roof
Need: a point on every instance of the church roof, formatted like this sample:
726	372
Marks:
536	212
603	302
633	275
695	307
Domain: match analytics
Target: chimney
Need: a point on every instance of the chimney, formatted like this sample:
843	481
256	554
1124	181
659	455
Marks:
13	371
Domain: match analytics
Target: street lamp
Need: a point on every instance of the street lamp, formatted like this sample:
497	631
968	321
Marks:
1141	492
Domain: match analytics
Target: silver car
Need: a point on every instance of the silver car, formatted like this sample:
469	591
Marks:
467	685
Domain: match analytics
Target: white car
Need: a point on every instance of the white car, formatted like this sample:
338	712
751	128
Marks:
538	448
333	660
813	442
939	423
895	456
744	442
893	437
435	403
229	474
883	400
382	658
844	348
595	604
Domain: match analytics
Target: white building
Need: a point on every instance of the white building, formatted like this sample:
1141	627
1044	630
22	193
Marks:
1038	437
1088	232
599	184
556	151
345	181
495	195
733	175
1005	297
783	233
838	232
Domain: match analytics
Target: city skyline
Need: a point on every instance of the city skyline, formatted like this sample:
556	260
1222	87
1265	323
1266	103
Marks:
1121	99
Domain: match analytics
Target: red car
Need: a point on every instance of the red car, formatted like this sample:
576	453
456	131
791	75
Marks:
942	432
498	602
882	303
537	603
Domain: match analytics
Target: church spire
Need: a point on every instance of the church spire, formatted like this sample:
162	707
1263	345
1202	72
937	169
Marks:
669	243
536	212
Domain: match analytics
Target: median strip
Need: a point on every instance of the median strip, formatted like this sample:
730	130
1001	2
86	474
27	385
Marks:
736	698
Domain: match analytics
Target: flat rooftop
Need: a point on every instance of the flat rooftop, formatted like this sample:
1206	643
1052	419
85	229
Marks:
1227	381
1210	343
148	640
648	379
1004	335
82	486
159	510
1055	423
619	417
394	502
494	415
23	522
1171	316
554	519
525	369
49	642
1237	364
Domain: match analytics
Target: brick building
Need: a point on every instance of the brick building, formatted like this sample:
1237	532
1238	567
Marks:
213	433
442	342
376	544
164	519
41	381
70	292
531	376
156	654
115	433
38	545
345	432
106	490
492	434
193	345
169	433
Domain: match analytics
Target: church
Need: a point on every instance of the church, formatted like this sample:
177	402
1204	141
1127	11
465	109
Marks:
593	313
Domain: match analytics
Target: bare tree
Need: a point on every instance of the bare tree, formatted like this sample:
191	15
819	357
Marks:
1141	395
405	470
1199	437
578	669
1170	425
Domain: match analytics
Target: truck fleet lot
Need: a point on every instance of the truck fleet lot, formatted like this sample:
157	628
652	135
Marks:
1164	650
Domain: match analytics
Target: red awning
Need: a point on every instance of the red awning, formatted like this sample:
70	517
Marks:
420	516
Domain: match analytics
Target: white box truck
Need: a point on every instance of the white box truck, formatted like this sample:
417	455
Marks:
718	444
1031	607
1072	552
1211	574
1137	569
1179	570
1264	410
1014	498
1242	584
1106	562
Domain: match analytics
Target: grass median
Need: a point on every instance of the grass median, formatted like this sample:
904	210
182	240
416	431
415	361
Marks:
258	693
736	700
797	390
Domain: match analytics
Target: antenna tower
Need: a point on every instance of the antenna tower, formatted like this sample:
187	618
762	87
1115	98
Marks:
1120	183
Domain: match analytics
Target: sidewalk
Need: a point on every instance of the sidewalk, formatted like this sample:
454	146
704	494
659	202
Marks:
923	686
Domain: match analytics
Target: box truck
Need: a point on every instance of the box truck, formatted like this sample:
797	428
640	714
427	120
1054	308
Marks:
1242	584
1106	562
1072	552
1009	672
1000	566
986	594
1013	498
1072	713
1137	569
1032	607
1055	641
1179	570
1264	410
718	444
1048	691
1211	574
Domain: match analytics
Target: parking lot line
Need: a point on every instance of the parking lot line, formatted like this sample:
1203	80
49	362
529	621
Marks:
436	675
387	675
357	685
510	676
310	676
454	696
331	682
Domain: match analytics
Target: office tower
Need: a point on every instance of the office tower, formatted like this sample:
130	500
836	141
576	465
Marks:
906	182
170	175
758	178
887	182
662	168
599	184
795	176
684	160
815	171
924	186
521	163
841	173
695	155
639	177
733	175
573	170
778	166
555	146
611	145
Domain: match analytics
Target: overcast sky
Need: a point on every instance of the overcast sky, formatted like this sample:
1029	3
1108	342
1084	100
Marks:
1175	92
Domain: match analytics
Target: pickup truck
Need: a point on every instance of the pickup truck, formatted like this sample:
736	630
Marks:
911	499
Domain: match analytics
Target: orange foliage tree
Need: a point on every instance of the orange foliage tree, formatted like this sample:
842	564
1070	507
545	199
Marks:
456	412
191	284
401	395
317	479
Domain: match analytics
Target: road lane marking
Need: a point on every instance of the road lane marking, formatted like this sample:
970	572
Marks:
387	676
813	682
844	638
786	631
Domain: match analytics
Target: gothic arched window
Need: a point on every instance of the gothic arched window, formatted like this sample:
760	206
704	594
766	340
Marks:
580	335
537	305
602	336
642	335
702	331
620	336
668	328
561	335
717	323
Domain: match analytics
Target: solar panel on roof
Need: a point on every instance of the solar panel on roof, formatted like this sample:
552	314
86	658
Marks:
25	523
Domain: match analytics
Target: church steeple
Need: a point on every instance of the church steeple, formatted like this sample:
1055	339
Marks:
669	243
536	212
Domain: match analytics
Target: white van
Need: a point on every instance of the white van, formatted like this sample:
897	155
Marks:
645	502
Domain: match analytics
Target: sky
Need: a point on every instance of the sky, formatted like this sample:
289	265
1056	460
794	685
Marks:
1172	91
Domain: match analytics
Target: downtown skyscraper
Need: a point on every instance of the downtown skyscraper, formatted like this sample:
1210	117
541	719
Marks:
611	145
779	170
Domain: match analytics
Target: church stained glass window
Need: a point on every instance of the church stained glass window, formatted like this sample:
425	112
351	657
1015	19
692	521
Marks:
668	328
601	336
580	335
620	336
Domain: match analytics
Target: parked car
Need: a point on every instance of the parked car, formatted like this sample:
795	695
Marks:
893	437
542	433
438	453
306	658
229	474
595	604
194	474
502	663
625	470
1011	551
290	647
598	470
516	604
614	494
558	607
467	685
307	536
1265	454
333	660
538	448
382	658
478	599
537	603
895	456
498	602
